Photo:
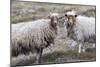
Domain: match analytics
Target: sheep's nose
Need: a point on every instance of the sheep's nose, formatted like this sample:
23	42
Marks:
55	24
68	24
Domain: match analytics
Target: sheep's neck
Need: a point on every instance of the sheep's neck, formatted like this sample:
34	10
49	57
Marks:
70	29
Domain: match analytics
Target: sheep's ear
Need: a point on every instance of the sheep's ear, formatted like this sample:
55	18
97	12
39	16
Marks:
75	15
65	14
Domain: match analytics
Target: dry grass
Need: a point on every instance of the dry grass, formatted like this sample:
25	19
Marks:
55	57
25	11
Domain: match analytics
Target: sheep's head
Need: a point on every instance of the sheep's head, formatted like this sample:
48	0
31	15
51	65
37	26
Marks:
70	22
54	19
70	18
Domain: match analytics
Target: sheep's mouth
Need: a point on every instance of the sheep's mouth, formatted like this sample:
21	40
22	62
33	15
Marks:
69	33
55	24
69	24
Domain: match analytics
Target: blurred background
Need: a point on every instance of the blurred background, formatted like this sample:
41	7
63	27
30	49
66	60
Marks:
25	11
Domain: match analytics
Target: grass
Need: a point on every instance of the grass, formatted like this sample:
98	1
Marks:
67	56
26	11
89	13
56	57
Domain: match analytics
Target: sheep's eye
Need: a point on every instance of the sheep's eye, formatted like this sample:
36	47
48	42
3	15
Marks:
65	14
75	15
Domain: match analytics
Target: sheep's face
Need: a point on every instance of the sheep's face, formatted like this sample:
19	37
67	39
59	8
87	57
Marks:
54	21
70	19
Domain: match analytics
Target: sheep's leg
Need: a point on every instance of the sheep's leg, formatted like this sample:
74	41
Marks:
39	55
83	48
80	48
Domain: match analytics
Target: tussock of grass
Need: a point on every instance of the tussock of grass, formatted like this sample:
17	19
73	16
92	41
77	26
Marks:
22	60
56	57
67	56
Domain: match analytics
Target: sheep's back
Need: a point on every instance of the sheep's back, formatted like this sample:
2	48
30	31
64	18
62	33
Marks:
85	27
36	34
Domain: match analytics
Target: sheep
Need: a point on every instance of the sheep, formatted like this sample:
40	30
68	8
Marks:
80	29
33	36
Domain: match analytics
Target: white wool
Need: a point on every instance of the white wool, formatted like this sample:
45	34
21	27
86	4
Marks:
85	27
36	29
33	36
23	29
71	13
54	14
16	27
36	25
83	30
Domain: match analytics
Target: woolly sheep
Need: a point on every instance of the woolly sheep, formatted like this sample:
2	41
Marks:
33	36
80	28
